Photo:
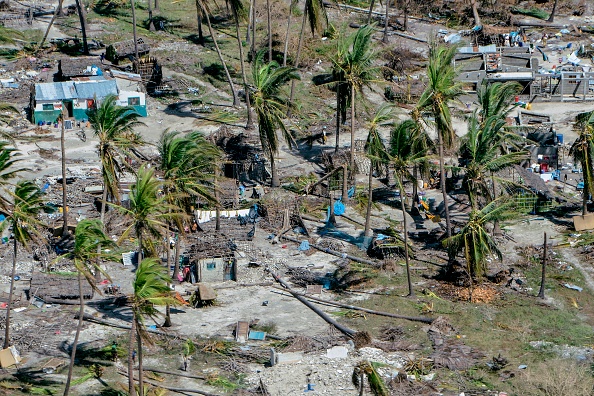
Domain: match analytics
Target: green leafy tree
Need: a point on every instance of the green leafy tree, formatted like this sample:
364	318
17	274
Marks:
270	107
114	128
480	149
150	289
353	62
409	148
442	89
582	151
22	218
88	236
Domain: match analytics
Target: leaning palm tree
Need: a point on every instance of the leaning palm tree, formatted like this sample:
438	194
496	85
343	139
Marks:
82	16
150	289
582	151
26	204
239	14
474	240
314	12
442	89
114	127
495	99
205	12
354	61
376	152
409	148
88	235
187	165
149	210
480	150
270	108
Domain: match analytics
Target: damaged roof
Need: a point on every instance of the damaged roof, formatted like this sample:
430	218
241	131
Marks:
55	91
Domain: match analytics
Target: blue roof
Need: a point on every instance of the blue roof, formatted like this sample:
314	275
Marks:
55	91
98	89
75	90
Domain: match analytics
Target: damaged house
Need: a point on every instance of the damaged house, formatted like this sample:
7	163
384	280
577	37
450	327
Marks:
211	259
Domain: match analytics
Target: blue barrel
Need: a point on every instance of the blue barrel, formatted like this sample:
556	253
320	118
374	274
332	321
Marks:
560	138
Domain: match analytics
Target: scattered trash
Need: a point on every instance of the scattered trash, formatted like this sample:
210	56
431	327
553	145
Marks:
522	367
304	246
573	287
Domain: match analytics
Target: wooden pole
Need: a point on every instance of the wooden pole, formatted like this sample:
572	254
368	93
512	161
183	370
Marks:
541	292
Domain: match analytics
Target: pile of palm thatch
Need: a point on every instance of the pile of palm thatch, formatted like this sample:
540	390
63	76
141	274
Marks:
58	289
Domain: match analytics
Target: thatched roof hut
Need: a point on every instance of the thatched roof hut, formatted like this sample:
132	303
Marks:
125	49
69	68
58	289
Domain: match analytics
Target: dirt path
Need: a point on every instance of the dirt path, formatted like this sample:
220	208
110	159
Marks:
588	271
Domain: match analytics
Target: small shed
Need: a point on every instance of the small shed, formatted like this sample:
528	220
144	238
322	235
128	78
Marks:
58	289
125	50
212	259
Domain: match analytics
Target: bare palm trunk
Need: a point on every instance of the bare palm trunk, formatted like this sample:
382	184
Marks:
139	236
140	371
286	49
370	12
442	183
585	196
299	46
552	16
134	30
64	196
385	39
131	389
338	104
10	294
475	14
81	311
352	160
246	89
82	16
176	258
167	322
214	40
156	5
253	48
411	292
57	12
269	30
368	231
199	17
275	182
405	11
331	215
415	191
150	15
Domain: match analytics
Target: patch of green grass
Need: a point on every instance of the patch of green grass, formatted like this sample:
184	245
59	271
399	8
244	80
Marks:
224	383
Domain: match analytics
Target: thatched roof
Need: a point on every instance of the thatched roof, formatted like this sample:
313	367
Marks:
76	67
125	48
211	246
58	288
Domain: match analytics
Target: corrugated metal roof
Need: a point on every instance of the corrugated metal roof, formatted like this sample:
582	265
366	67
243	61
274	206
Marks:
98	89
55	91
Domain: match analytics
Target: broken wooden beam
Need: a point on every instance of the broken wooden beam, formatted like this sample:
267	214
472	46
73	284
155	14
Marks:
154	370
90	318
169	388
343	329
422	319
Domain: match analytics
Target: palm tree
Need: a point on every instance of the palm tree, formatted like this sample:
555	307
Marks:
149	209
314	12
82	16
552	16
475	14
354	61
409	148
495	99
114	127
270	107
239	13
376	152
187	164
22	218
442	89
199	18
7	110
481	151
150	290
474	239
87	237
136	57
205	11
582	151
